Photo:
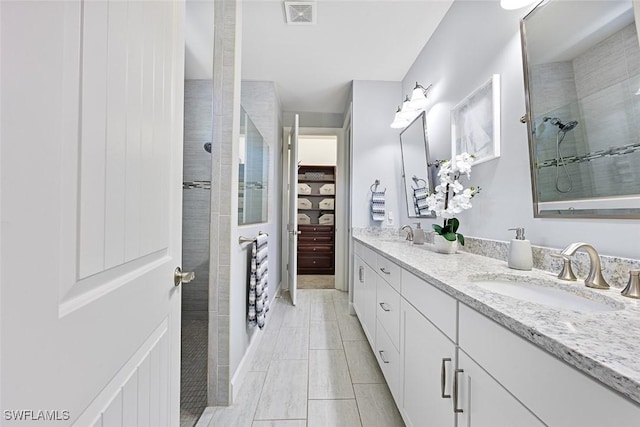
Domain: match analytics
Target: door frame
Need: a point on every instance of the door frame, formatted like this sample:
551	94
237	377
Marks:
343	207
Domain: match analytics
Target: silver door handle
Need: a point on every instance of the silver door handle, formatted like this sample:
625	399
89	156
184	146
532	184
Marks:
384	359
294	232
182	277
456	410
443	378
384	271
361	274
385	306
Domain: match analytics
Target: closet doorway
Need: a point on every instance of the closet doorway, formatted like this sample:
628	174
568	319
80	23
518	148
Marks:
318	199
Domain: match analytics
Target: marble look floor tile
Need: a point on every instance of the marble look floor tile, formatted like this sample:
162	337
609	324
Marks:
323	310
329	375
284	394
295	316
280	423
334	413
242	411
362	363
292	343
325	336
376	405
350	328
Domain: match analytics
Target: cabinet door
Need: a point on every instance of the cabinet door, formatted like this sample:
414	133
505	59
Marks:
358	288
429	357
369	325
484	402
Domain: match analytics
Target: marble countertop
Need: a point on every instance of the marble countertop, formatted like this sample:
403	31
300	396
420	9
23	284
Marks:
604	345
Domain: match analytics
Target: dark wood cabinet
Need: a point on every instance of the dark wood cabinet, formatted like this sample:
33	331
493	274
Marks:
316	216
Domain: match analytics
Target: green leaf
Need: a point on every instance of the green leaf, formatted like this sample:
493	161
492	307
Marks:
437	228
450	236
454	223
460	239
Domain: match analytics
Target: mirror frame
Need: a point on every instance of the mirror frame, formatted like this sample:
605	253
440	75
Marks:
428	166
584	208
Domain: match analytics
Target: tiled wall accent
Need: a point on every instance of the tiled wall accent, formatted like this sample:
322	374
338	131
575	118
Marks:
226	109
615	269
196	196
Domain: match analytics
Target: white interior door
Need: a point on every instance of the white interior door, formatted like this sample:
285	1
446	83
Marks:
292	226
91	171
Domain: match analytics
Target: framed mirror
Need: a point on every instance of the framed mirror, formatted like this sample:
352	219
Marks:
416	175
582	82
253	173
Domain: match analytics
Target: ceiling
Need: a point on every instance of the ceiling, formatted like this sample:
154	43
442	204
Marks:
313	65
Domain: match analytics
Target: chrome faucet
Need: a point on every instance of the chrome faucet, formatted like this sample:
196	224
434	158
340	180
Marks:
595	278
409	232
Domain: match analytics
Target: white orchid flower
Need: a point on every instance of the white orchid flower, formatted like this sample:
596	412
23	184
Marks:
456	186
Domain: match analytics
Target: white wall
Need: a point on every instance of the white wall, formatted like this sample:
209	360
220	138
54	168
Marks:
261	102
376	150
475	40
317	150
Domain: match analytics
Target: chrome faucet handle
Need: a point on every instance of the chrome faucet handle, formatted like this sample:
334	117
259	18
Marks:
567	271
409	232
594	279
633	287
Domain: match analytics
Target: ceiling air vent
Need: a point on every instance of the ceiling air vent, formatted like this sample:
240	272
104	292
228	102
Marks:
300	12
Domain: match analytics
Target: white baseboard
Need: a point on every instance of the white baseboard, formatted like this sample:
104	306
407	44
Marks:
252	348
352	311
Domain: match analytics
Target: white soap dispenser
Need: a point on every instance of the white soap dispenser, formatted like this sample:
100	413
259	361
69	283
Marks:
520	256
418	235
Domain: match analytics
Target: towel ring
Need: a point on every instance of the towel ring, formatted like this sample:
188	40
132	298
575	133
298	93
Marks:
374	187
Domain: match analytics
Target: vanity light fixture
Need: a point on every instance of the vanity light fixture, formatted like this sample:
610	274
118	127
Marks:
515	4
398	121
411	107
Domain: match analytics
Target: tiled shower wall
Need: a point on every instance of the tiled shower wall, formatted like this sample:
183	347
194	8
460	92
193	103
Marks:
594	92
196	196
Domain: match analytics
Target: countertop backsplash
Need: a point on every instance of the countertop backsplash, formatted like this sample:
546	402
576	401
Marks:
615	269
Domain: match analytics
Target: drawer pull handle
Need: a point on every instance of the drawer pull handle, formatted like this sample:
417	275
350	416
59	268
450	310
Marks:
314	249
361	274
384	359
443	378
384	271
456	410
385	306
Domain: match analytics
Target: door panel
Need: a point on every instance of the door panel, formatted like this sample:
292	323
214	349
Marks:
91	209
292	226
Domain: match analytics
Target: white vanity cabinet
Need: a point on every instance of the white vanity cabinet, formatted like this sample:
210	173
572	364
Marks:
364	290
483	402
429	358
555	392
447	364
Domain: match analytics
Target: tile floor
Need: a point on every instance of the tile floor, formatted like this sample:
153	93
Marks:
193	371
315	369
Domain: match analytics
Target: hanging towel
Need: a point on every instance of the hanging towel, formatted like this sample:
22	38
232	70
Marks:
377	205
258	282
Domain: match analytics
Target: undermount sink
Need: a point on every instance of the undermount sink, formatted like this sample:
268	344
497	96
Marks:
549	293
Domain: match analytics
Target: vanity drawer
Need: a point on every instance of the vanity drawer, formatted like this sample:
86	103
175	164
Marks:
324	229
434	304
389	360
388	310
389	271
370	257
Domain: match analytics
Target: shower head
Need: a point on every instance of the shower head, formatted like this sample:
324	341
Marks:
569	126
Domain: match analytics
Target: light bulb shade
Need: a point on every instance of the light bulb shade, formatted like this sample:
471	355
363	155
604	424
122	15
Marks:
418	100
399	123
407	112
515	4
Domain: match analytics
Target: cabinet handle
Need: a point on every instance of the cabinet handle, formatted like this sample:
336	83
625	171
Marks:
384	306
443	378
382	356
384	271
361	274
456	410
